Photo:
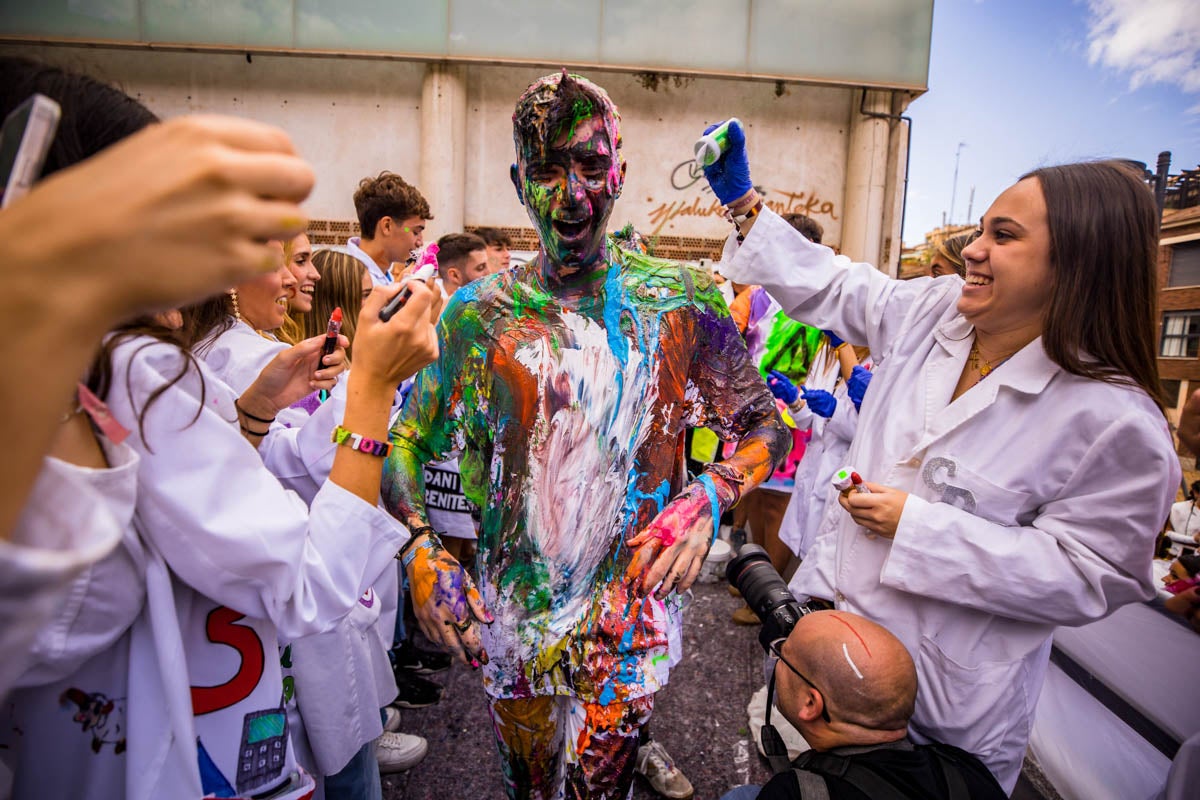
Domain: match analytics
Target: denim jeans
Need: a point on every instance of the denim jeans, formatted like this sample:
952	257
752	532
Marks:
747	792
358	780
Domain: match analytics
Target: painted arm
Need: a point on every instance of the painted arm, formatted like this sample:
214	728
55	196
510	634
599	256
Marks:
734	402
445	600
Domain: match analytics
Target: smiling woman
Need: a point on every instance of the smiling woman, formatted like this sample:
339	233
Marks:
1024	466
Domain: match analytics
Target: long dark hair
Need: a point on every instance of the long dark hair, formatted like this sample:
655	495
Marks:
94	117
94	114
1102	315
206	319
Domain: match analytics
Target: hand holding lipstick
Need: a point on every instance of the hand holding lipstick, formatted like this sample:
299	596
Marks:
878	509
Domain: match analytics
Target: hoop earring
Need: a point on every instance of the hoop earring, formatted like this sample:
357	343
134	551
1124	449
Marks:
237	312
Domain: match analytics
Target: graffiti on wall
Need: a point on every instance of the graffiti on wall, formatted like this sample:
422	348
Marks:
698	200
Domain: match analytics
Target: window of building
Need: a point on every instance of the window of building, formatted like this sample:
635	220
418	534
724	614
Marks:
1180	334
1185	264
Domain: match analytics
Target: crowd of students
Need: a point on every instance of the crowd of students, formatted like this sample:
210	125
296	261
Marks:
195	562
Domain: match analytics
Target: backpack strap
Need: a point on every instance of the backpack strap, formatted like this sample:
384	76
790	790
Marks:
811	785
951	769
865	780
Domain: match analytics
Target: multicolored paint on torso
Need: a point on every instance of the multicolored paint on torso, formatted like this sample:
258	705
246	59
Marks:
569	424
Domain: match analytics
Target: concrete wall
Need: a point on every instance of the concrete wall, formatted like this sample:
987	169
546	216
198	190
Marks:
353	117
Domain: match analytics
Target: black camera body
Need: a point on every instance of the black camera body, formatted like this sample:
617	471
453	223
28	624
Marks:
765	591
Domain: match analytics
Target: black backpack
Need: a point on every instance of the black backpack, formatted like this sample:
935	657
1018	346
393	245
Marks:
812	767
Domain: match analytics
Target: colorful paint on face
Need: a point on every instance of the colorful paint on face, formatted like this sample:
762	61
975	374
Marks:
569	171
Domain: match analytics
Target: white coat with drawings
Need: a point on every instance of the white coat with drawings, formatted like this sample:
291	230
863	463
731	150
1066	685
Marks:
1034	498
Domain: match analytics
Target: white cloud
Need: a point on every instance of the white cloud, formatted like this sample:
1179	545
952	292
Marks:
1153	41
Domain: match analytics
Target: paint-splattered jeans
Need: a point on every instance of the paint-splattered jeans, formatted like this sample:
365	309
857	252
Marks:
560	748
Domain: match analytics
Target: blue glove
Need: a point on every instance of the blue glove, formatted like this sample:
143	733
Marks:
856	387
820	401
834	339
782	387
729	177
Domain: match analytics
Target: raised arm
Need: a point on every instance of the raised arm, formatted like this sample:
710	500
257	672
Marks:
812	284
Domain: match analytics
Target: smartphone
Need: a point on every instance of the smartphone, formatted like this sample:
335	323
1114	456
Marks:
25	140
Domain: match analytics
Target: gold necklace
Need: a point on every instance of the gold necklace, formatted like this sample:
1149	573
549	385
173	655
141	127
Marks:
981	364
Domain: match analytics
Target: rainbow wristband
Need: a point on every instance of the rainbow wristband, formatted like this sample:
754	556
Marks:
360	443
710	489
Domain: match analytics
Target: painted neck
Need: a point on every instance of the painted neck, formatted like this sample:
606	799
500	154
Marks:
573	280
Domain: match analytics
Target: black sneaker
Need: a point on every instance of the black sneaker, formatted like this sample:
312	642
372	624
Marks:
423	662
415	691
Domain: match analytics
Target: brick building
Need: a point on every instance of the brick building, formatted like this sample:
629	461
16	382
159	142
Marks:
1179	305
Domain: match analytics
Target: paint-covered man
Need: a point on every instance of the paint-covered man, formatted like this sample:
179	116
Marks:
565	385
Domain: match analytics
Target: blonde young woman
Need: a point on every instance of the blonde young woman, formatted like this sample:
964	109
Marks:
298	256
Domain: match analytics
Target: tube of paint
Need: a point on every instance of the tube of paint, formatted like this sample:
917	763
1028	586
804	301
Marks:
857	481
426	269
842	480
710	146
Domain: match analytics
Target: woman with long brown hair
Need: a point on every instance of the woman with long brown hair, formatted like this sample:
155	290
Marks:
1013	440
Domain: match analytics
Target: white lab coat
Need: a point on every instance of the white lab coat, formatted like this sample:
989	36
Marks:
825	455
1034	499
64	529
342	676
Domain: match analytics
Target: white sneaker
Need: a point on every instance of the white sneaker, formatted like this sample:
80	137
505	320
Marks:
391	719
657	767
397	752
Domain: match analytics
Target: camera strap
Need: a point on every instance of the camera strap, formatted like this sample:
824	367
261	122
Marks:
772	743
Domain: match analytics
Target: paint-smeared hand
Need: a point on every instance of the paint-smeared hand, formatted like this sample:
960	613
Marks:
879	512
856	387
782	387
822	403
446	603
834	339
672	548
729	177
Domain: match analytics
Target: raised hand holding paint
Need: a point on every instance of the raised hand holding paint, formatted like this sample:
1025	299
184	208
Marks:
445	600
427	267
713	144
729	175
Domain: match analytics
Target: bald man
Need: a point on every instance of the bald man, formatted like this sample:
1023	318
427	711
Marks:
848	686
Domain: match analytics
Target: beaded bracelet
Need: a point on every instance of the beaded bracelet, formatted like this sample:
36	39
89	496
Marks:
360	443
741	219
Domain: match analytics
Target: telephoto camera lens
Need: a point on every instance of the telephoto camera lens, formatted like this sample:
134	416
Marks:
765	591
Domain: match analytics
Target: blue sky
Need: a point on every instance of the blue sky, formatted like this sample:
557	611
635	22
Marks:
1030	82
